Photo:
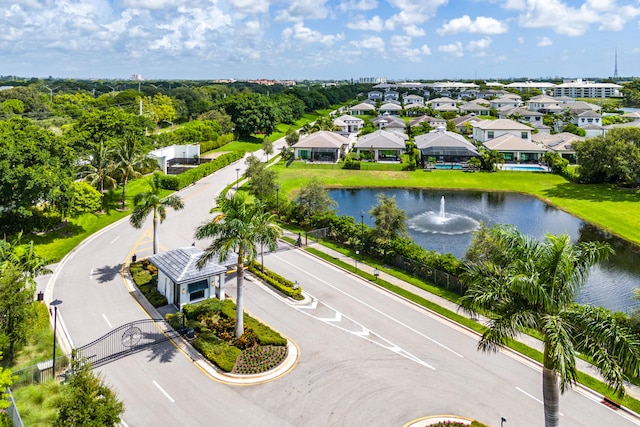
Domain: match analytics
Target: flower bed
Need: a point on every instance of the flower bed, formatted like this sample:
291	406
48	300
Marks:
259	359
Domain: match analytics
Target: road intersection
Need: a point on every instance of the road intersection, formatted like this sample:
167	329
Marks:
367	357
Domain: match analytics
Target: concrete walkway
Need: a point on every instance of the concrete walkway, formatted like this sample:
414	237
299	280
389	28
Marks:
632	390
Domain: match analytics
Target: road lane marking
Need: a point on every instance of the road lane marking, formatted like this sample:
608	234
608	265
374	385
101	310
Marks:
107	320
534	398
372	308
163	392
91	273
363	332
114	240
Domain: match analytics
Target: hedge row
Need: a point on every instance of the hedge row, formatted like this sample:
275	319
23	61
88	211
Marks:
212	145
275	280
178	182
145	276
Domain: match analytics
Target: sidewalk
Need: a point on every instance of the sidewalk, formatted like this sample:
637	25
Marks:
632	390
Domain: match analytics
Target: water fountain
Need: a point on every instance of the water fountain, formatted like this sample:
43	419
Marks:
442	222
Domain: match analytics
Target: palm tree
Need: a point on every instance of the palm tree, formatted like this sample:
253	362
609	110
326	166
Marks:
531	285
152	202
131	159
99	170
270	232
238	228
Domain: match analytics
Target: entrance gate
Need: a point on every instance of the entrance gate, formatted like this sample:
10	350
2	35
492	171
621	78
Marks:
125	340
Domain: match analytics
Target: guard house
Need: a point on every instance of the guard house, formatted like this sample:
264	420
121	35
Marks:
182	282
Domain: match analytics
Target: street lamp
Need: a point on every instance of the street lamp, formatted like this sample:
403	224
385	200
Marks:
55	305
502	421
277	199
237	178
357	253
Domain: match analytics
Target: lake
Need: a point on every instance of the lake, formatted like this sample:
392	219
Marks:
610	284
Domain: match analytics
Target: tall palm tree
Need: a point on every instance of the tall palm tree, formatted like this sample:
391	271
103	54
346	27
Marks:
150	201
531	285
99	169
131	160
238	228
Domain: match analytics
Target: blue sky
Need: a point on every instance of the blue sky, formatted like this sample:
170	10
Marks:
319	39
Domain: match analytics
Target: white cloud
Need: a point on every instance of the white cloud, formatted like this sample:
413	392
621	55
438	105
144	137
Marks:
544	41
414	31
373	24
306	35
520	40
374	43
454	49
481	25
573	22
300	10
357	5
413	12
474	47
250	6
515	5
400	41
152	4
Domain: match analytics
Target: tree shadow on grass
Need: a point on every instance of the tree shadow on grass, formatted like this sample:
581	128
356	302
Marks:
592	192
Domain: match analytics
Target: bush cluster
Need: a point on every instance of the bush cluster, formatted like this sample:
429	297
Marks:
214	321
275	280
206	146
177	182
145	276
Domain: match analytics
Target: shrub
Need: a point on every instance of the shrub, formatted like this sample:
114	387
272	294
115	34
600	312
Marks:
142	278
259	359
351	163
275	280
217	351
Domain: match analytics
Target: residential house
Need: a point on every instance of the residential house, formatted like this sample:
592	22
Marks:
375	95
413	100
469	94
521	115
562	143
391	95
464	124
362	109
486	130
348	123
443	104
506	101
182	281
322	146
390	123
474	107
445	147
588	117
391	108
544	104
434	122
381	146
516	149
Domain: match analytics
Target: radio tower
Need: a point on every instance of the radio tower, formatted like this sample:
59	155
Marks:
615	70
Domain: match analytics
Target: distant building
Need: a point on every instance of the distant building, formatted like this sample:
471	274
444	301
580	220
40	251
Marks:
136	77
586	89
375	80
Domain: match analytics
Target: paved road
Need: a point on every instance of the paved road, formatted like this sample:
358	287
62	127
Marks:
367	357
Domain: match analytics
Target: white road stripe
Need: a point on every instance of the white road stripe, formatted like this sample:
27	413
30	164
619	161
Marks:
534	398
373	308
91	273
107	320
163	392
114	240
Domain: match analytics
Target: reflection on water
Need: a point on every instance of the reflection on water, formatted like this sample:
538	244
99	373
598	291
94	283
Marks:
610	285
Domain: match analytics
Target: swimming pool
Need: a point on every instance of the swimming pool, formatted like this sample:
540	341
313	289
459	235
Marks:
454	166
527	168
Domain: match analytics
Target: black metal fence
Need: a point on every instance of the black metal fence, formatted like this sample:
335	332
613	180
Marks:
126	339
12	410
